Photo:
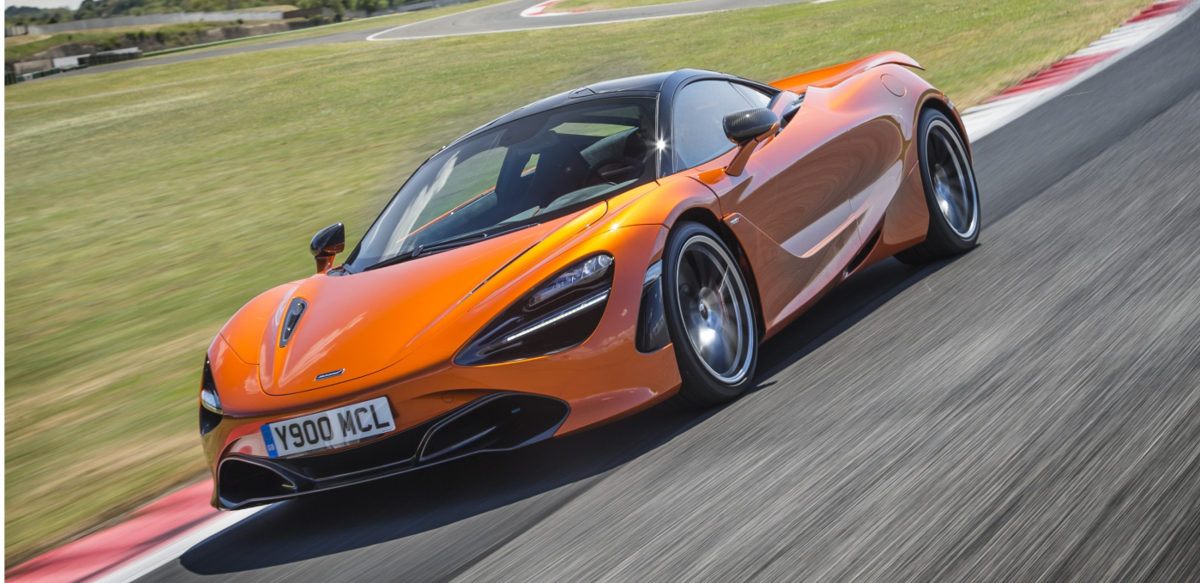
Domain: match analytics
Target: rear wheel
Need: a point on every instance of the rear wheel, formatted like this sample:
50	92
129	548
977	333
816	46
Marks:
709	315
950	191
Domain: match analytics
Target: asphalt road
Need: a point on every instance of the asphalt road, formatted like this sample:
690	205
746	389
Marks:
1027	412
507	17
504	17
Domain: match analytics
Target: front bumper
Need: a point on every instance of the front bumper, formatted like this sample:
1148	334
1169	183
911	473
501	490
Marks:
497	422
603	379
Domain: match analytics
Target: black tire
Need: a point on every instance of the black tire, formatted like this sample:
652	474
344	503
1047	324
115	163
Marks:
720	317
941	151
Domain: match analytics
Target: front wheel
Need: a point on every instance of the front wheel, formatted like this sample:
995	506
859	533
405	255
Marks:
710	317
950	191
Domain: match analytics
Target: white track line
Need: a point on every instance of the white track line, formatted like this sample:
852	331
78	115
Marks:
540	9
176	548
375	37
372	37
578	24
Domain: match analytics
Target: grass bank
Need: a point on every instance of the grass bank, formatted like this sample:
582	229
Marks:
582	5
166	35
145	206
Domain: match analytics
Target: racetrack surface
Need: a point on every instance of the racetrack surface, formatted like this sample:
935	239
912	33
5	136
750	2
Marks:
504	17
1028	411
507	18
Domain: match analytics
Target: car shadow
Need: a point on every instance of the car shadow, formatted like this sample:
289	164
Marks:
418	502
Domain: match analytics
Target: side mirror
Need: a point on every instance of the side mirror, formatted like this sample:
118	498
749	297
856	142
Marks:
326	244
748	129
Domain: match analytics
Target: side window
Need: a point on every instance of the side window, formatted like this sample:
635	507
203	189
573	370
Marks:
699	110
754	96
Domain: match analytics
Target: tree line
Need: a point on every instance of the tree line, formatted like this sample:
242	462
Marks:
20	15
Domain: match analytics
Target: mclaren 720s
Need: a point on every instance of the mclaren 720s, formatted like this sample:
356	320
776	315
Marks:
577	260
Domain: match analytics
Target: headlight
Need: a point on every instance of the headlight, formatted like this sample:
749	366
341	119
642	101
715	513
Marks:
580	274
210	401
558	314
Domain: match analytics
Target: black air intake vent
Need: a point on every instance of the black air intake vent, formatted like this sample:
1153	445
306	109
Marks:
208	419
291	319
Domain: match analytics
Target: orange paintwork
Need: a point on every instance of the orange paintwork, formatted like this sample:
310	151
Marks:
396	330
830	76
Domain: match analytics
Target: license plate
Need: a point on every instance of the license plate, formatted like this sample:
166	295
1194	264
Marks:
328	429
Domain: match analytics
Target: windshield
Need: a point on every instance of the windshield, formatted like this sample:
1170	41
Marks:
517	174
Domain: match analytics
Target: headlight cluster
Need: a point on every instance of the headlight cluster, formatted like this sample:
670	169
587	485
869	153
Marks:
210	401
558	314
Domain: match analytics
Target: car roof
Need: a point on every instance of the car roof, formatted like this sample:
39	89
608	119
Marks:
652	85
644	85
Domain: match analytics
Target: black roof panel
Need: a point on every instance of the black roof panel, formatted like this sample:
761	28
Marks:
649	85
651	82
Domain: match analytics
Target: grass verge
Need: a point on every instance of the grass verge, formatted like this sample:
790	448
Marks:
588	5
145	206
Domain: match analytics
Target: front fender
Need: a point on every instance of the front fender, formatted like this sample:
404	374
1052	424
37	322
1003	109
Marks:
676	195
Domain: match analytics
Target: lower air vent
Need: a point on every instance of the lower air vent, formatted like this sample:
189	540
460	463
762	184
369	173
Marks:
863	253
243	481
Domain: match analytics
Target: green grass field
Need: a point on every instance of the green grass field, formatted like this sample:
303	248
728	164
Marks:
145	206
574	5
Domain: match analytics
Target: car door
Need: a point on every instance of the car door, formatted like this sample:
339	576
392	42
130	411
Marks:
799	213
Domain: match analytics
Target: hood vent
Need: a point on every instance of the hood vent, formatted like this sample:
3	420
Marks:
294	311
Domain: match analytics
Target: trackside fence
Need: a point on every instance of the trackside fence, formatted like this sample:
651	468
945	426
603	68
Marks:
85	61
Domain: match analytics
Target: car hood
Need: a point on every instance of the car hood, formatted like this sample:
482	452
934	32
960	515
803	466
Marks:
362	323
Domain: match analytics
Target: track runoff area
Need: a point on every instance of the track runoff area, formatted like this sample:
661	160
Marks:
161	532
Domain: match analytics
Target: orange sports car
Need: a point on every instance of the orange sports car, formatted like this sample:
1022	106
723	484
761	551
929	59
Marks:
577	260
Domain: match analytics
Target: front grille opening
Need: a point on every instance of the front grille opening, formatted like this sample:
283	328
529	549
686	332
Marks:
242	481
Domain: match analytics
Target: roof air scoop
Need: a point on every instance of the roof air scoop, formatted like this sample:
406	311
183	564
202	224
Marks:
291	319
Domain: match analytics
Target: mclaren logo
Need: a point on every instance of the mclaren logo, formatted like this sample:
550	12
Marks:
330	374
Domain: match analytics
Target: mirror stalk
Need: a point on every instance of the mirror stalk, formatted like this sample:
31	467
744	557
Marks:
738	166
748	129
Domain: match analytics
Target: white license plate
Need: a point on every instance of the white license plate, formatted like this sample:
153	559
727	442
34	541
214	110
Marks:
328	429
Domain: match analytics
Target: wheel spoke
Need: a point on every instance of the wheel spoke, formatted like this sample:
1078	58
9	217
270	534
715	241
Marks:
715	309
953	187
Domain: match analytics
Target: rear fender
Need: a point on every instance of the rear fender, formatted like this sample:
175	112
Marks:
831	76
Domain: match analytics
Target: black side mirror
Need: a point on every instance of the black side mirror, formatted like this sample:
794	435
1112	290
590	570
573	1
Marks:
743	126
326	244
747	129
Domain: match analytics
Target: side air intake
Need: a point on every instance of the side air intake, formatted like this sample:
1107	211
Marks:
243	481
496	423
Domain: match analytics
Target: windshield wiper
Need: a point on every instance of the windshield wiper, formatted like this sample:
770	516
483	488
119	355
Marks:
446	244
